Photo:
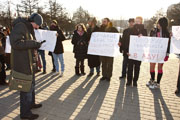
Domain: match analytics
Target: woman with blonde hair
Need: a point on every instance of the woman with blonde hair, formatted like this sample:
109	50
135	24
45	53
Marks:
80	42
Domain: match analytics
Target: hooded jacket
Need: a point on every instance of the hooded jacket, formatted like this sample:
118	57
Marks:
22	39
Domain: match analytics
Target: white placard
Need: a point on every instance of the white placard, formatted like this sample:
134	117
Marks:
49	36
104	44
175	40
176	32
148	49
8	45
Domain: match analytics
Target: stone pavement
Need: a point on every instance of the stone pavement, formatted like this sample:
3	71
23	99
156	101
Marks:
88	98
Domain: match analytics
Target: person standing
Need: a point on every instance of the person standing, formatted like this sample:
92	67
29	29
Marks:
134	65
59	50
93	60
42	52
2	61
160	31
22	39
107	62
125	37
80	43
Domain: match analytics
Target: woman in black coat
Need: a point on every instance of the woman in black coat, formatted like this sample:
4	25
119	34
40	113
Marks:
80	43
93	60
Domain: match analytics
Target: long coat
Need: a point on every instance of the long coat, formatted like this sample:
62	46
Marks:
93	60
59	46
22	38
80	45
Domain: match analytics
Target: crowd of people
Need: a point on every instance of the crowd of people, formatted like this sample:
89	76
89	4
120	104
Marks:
22	39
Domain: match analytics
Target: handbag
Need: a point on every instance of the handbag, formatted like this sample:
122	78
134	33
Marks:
20	81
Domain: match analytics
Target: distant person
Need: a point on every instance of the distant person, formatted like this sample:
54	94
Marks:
125	37
134	65
93	60
59	50
80	42
160	31
22	39
107	62
2	61
42	52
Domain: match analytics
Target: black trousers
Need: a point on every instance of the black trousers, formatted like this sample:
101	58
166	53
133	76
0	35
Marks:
2	70
133	66
79	63
178	80
124	65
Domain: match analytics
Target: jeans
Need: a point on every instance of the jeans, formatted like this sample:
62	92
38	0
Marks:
61	59
42	54
124	66
27	99
97	69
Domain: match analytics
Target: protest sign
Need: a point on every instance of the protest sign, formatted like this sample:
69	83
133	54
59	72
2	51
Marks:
49	36
104	44
175	40
8	45
148	49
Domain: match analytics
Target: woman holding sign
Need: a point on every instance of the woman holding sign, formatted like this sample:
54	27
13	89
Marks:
160	31
80	43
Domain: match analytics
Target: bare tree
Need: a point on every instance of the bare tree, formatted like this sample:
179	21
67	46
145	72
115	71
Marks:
81	16
173	13
28	6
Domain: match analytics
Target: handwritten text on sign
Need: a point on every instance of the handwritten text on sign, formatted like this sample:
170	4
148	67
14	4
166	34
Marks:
49	36
149	49
175	40
104	44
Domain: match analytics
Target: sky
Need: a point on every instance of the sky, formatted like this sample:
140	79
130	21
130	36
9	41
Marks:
115	9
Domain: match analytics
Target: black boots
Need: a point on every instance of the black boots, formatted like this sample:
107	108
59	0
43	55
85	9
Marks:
82	71
77	71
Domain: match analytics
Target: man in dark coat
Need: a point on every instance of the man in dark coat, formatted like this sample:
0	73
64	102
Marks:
107	62
125	37
59	50
134	65
22	39
93	60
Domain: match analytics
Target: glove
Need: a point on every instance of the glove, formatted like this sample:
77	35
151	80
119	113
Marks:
166	58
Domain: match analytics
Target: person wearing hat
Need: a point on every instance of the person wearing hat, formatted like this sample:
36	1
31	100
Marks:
2	61
22	38
160	31
125	37
59	50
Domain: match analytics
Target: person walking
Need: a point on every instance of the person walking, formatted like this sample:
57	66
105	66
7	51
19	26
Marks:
22	39
93	60
134	65
80	43
59	50
125	37
107	62
160	31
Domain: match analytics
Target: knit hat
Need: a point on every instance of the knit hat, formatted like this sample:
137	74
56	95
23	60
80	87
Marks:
36	18
55	22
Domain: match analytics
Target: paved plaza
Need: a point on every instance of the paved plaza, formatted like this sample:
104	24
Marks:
87	98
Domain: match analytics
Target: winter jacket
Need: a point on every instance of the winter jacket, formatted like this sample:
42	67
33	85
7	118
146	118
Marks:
80	45
22	38
59	46
2	46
